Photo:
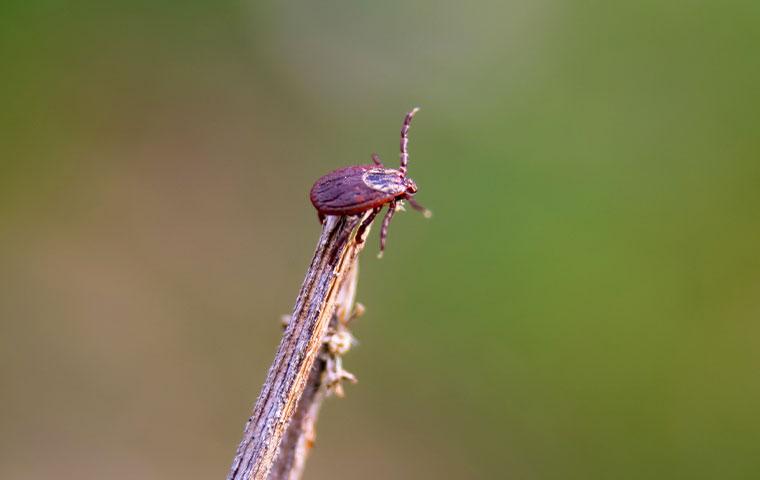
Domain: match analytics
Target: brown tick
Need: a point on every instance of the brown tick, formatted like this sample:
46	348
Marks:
354	190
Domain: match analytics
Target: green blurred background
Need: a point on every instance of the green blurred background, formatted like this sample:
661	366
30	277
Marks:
583	304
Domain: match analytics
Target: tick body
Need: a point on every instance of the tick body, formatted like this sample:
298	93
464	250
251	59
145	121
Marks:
360	188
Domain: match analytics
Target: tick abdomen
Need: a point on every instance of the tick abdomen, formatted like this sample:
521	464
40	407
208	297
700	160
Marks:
345	191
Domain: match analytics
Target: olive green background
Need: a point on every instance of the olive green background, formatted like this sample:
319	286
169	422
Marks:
584	304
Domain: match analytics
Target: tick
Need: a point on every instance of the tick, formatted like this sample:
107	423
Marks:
357	189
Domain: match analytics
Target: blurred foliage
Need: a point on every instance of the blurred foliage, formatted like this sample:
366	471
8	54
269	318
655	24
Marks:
583	304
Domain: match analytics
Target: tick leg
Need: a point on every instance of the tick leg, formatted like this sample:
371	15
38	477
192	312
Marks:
405	141
376	159
365	224
384	228
427	213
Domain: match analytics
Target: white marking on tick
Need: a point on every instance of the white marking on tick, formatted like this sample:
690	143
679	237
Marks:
386	180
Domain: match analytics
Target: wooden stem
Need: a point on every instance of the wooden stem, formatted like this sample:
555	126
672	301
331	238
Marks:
284	396
302	431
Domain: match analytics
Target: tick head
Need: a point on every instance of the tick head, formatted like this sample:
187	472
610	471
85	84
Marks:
411	187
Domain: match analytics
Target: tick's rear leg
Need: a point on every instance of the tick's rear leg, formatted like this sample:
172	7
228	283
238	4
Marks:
365	224
384	228
427	213
376	159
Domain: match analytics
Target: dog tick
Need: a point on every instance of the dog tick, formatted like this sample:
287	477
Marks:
357	189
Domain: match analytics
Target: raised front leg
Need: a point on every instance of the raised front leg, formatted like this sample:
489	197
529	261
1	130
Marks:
376	160
405	141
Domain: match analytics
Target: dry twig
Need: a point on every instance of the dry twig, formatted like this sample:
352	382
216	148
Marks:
285	413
